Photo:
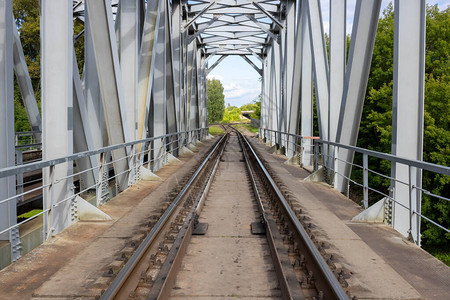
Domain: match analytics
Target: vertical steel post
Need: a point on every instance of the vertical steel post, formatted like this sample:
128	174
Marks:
306	89
366	180
8	212
408	106
57	105
316	155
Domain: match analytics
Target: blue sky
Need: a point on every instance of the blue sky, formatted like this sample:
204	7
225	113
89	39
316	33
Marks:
241	81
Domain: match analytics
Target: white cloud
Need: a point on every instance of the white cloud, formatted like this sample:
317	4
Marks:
241	91
215	76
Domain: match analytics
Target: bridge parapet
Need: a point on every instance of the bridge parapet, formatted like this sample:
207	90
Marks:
313	151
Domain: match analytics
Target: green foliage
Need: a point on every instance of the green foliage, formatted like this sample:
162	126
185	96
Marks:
255	106
216	100
26	13
376	123
232	114
250	128
215	130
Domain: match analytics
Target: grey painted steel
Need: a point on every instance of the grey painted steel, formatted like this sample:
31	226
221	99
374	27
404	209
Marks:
26	88
8	212
426	166
306	94
4	172
57	112
338	39
107	61
252	64
157	120
408	110
320	63
215	64
128	28
92	92
292	103
146	63
356	76
82	137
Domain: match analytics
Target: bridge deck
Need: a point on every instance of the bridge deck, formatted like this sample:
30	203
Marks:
382	263
376	261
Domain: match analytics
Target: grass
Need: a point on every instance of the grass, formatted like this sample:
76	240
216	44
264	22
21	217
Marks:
29	214
250	128
215	130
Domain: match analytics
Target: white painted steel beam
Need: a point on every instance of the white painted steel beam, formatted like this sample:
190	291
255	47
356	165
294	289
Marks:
292	112
8	212
356	76
57	111
128	28
255	67
408	112
110	79
320	63
146	62
338	41
306	90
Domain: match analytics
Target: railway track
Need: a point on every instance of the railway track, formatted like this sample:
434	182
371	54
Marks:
296	268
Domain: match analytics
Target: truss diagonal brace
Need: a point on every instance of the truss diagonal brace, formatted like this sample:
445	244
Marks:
252	64
215	64
263	27
255	54
198	15
195	35
268	14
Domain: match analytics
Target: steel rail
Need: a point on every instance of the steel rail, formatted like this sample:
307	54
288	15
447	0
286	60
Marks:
327	274
165	279
134	260
290	287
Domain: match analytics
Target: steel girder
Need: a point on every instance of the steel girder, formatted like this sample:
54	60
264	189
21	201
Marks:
145	74
407	112
57	111
355	83
8	212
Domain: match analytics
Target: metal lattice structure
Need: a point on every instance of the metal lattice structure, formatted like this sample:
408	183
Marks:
144	76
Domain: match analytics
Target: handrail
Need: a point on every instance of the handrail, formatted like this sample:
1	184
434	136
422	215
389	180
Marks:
51	162
415	163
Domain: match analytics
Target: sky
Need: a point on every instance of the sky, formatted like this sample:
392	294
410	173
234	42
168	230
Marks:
242	83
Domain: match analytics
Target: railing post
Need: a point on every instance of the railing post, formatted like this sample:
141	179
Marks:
19	162
366	180
411	211
316	155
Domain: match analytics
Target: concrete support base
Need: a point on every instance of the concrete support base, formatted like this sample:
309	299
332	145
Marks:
148	175
172	160
192	147
373	214
317	176
88	212
186	150
293	161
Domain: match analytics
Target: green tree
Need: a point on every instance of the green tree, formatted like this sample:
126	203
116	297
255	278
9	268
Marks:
216	101
232	114
26	13
376	123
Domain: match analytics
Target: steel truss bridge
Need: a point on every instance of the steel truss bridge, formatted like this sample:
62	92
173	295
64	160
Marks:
141	99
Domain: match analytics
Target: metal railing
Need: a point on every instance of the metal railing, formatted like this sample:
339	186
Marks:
26	140
324	153
150	153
